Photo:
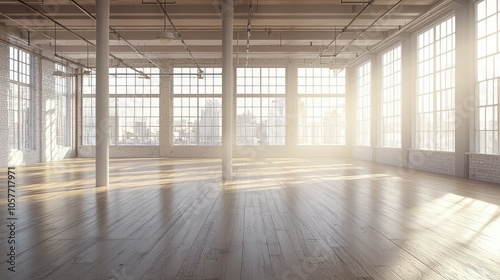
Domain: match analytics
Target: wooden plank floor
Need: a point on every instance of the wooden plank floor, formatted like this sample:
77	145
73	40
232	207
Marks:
278	219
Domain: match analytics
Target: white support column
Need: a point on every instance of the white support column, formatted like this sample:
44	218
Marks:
166	114
292	110
407	87
102	93
350	108
464	95
375	81
227	89
77	110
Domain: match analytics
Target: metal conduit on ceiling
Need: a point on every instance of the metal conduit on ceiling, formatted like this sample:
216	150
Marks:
78	35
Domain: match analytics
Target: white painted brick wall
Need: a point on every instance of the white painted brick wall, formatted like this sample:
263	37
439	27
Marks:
48	112
362	152
216	152
4	91
484	167
44	98
391	156
122	152
50	150
12	157
433	161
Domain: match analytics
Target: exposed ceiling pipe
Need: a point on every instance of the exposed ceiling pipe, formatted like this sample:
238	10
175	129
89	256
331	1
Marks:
39	2
409	25
24	26
353	2
249	23
154	2
367	28
179	36
117	35
41	55
78	35
334	57
81	8
69	60
55	40
167	74
238	46
342	31
19	46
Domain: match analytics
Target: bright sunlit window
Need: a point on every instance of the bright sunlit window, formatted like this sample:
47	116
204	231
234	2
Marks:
63	90
435	120
488	77
20	110
88	114
391	99
197	107
321	119
260	106
363	105
134	108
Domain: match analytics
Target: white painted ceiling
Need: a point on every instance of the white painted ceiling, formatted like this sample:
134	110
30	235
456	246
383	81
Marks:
279	28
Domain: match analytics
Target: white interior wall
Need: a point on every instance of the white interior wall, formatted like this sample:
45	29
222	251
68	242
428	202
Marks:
166	149
482	167
4	85
43	89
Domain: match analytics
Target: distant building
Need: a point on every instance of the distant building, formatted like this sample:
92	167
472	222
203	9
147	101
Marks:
209	125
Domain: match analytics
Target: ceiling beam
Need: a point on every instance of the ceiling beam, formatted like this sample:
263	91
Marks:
242	10
274	34
203	49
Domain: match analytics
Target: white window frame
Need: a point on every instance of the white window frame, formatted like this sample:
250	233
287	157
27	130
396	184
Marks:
487	127
63	88
260	106
322	106
435	93
126	87
363	105
197	107
21	103
391	99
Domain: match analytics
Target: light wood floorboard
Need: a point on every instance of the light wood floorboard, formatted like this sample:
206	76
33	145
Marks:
278	219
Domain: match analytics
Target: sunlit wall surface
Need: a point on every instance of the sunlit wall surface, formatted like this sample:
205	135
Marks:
488	77
134	108
21	127
321	118
197	107
260	106
363	105
390	128
435	102
63	107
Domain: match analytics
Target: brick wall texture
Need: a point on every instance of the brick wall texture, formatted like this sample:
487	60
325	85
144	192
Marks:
433	161
389	156
484	167
43	89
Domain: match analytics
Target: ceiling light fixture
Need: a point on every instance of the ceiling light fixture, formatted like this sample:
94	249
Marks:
335	71
62	74
59	73
165	36
87	72
144	76
333	68
200	75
